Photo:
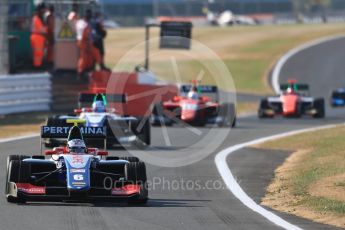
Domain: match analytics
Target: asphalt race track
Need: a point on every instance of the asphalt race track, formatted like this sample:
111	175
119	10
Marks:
321	66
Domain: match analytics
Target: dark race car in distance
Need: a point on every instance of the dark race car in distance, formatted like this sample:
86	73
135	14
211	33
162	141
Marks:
293	102
74	172
338	98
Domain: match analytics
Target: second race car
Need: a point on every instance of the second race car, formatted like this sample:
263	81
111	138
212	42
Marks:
293	102
195	106
121	129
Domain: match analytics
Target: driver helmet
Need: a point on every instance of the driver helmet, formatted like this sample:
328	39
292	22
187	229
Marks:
193	94
76	146
289	90
98	106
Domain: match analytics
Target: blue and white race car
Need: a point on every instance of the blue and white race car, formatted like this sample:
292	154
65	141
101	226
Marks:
338	97
121	130
75	173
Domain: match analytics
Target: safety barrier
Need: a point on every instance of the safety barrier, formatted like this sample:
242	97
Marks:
25	93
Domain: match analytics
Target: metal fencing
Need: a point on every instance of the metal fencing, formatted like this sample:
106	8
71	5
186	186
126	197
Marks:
3	37
25	93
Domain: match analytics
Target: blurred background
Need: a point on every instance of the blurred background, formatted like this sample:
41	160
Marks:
248	36
15	15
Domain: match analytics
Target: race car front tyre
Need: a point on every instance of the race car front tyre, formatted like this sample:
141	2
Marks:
319	106
18	172
135	173
9	159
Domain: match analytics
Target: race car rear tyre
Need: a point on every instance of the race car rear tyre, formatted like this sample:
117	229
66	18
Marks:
227	114
39	157
158	114
135	173
18	172
55	121
319	105
51	143
112	158
130	159
262	107
143	133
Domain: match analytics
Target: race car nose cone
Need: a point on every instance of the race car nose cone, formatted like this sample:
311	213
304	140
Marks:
188	115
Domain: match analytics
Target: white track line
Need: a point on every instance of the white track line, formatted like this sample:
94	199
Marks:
221	157
236	189
278	67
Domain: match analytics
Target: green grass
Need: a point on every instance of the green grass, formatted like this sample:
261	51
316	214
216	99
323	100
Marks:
21	124
326	205
248	52
247	74
340	184
24	119
325	159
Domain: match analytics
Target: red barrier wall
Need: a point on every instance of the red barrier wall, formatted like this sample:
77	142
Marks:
140	97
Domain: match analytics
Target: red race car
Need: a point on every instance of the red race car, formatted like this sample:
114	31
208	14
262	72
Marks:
194	106
293	102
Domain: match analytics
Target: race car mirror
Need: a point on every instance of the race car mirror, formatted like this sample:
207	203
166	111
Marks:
175	35
49	152
92	151
204	99
60	150
176	98
102	153
78	111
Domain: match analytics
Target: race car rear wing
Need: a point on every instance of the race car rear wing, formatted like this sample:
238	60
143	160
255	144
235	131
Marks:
296	87
87	98
62	132
201	88
210	91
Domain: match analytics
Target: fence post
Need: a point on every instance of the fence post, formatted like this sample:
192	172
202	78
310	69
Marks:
3	37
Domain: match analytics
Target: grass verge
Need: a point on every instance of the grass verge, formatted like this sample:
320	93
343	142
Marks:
311	181
248	52
21	124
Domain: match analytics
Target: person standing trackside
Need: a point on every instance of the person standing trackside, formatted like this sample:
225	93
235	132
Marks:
73	16
38	36
50	19
89	55
98	33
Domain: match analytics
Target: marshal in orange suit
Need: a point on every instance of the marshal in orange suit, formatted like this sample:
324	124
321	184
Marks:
50	18
38	36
